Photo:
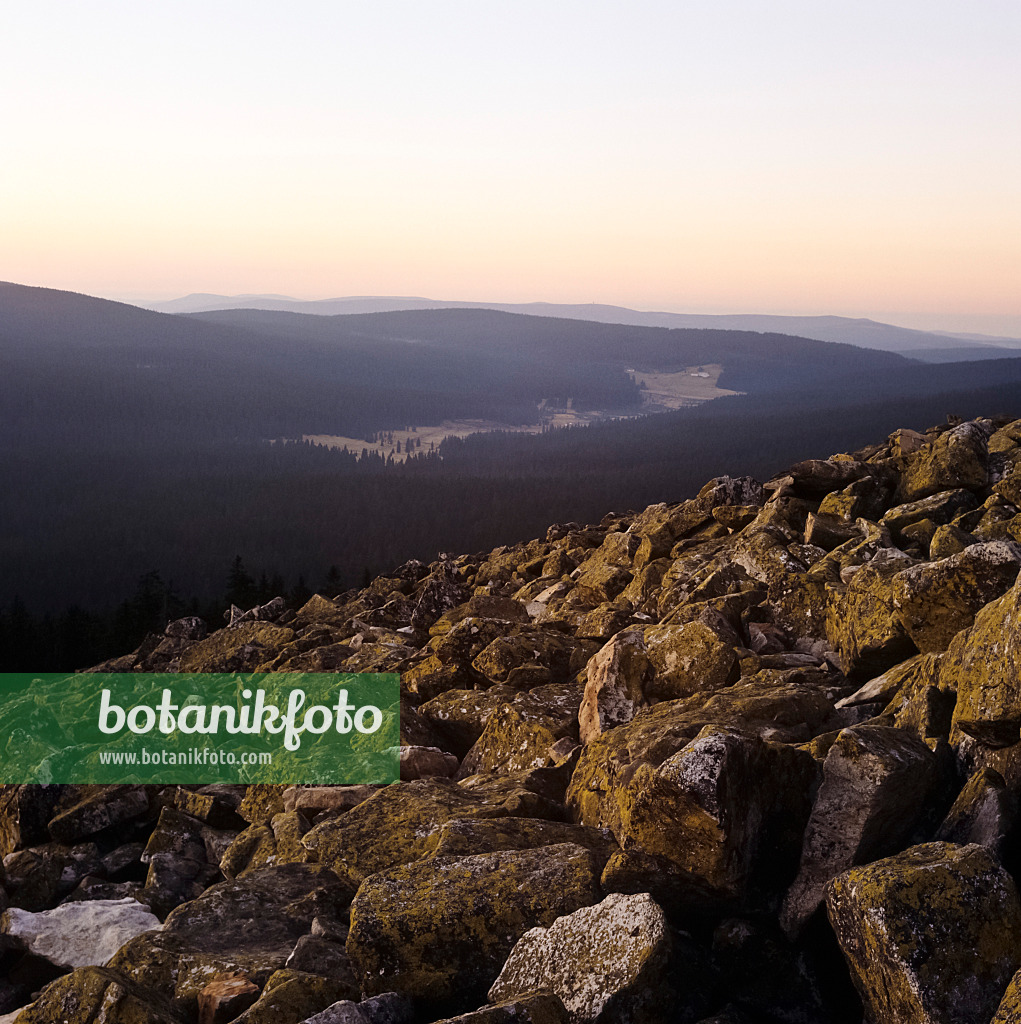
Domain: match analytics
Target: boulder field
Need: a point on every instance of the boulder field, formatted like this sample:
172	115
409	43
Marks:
749	758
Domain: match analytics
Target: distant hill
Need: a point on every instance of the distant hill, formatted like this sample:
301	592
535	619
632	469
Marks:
927	345
123	375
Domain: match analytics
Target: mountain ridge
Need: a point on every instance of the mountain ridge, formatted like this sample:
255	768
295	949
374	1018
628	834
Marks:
860	331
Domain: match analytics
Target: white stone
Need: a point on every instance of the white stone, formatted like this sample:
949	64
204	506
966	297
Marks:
607	963
83	934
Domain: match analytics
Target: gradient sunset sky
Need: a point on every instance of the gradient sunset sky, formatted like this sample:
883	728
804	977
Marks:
759	156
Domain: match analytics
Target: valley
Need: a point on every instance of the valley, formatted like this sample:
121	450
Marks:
660	392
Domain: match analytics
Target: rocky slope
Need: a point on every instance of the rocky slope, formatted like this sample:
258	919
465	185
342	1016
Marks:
750	757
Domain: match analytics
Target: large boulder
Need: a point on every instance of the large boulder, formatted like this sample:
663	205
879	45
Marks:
460	715
984	665
931	934
440	930
530	658
938	509
395	826
80	934
99	995
608	963
785	706
261	846
936	600
239	649
1009	1010
875	788
108	806
24	812
983	813
615	684
689	657
246	926
465	837
957	458
863	626
388	1008
728	809
518	736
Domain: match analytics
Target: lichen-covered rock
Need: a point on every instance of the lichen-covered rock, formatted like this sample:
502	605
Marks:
882	689
430	677
388	1008
534	1008
183	855
863	626
468	636
33	877
24	812
109	805
535	793
261	803
957	458
688	658
607	963
936	600
460	715
728	809
931	934
319	609
440	930
313	800
939	509
239	649
395	826
984	665
1009	1010
615	684
786	706
291	997
99	995
519	735
216	805
327	957
983	813
418	762
464	837
949	540
249	926
528	659
876	782
261	846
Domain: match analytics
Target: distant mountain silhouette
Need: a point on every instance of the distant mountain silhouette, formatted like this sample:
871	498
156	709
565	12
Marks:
864	333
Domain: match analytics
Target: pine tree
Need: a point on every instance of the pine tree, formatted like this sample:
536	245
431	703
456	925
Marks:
241	589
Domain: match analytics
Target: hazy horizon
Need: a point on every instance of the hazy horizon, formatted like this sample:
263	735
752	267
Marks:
784	158
992	324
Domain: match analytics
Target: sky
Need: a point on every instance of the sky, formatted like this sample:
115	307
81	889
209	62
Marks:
757	156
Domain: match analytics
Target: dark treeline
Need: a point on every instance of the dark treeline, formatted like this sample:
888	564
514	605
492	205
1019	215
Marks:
296	512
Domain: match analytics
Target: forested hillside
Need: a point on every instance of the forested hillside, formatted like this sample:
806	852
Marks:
135	444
